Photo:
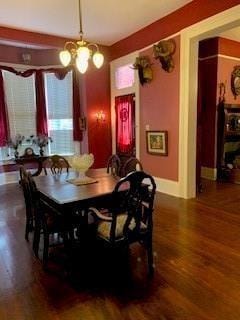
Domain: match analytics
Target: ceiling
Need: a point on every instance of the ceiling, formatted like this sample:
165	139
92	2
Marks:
104	21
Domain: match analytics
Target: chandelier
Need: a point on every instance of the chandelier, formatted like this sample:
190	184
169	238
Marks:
81	51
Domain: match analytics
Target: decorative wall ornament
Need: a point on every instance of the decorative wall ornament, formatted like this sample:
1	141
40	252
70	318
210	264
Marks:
235	81
222	91
164	51
144	67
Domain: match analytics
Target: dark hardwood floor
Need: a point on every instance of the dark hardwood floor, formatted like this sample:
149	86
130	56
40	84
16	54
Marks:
197	267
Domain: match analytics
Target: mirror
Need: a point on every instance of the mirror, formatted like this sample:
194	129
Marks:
235	81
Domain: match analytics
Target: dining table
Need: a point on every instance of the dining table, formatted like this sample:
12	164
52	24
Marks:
70	200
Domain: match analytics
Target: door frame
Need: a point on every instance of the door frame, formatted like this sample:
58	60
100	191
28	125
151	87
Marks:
190	38
125	60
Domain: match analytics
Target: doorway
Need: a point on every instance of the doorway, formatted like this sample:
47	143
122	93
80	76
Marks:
190	38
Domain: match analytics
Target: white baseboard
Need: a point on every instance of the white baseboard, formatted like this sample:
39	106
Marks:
167	186
209	173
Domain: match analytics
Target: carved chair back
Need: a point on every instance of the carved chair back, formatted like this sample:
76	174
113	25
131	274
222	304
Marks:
113	165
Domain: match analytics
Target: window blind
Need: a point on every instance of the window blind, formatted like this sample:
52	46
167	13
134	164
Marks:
21	104
59	102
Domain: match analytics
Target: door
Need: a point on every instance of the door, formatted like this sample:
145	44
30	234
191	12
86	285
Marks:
125	126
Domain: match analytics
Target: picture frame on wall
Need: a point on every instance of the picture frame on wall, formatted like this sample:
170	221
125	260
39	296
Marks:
157	142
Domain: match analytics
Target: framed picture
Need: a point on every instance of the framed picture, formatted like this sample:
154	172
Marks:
157	142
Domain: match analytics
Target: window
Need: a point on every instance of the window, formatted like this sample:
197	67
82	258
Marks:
21	105
21	108
124	77
59	109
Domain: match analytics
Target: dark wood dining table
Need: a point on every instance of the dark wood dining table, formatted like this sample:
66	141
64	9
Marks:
68	198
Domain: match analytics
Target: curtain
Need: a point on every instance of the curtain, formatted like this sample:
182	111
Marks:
41	115
4	129
125	122
77	133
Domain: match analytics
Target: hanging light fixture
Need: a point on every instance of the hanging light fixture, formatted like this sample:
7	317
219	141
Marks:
80	51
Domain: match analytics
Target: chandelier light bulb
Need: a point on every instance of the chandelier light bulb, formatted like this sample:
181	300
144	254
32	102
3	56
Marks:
82	65
65	57
98	59
83	53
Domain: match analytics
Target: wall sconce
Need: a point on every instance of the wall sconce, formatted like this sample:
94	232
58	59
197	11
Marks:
100	116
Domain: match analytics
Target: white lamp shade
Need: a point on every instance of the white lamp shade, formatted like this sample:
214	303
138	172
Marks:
98	59
83	53
65	57
82	65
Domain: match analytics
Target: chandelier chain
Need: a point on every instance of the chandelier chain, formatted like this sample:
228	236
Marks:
80	19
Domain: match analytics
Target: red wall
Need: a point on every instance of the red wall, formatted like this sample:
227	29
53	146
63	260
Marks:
208	78
159	108
97	99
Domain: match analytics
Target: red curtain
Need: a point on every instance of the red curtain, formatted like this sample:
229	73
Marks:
4	129
125	122
77	133
41	114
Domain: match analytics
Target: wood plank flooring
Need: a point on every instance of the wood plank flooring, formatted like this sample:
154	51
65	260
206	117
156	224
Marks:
197	267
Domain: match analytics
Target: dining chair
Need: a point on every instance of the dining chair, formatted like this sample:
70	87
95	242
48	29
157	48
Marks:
56	164
24	181
129	216
113	165
132	164
49	223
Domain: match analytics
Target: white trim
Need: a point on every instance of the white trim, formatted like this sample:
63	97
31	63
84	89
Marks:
188	91
219	56
128	59
209	173
167	186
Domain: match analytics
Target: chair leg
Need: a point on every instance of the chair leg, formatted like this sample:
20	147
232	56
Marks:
29	226
45	249
27	231
36	240
150	256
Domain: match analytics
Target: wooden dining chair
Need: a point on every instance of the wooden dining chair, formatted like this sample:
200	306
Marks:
29	207
113	165
49	223
56	164
129	218
132	164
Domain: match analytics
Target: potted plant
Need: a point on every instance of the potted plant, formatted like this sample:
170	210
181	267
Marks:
144	67
14	143
41	141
